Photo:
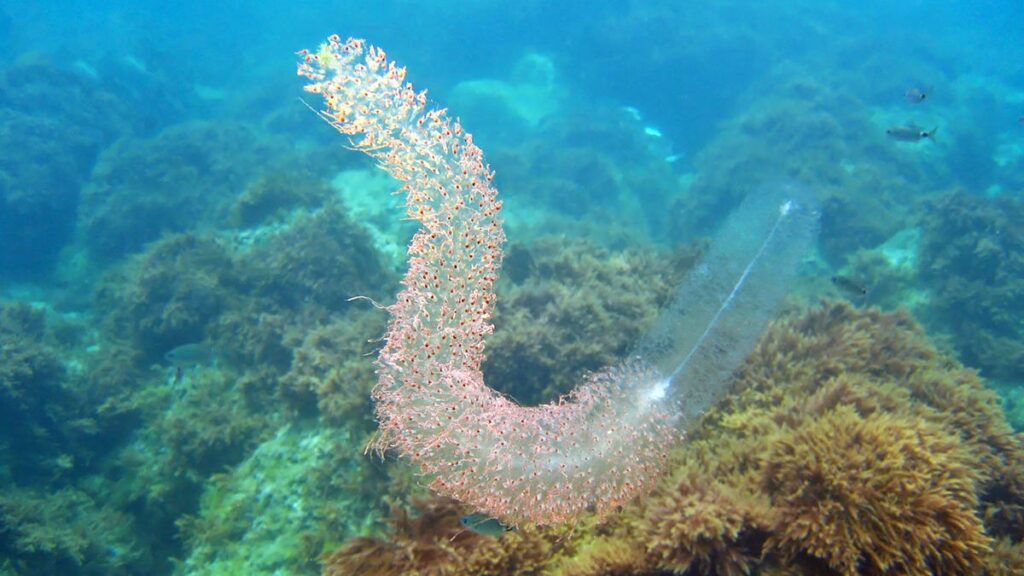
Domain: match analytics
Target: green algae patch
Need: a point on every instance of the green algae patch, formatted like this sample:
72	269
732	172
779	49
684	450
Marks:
271	513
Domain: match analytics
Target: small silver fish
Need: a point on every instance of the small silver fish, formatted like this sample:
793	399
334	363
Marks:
910	133
484	525
190	355
850	286
915	95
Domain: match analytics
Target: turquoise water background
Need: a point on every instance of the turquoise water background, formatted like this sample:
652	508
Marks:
184	373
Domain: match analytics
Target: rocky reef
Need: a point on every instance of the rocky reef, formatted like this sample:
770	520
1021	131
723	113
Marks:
972	260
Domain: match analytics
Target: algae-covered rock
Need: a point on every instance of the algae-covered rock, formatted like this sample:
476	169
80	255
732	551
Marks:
53	125
67	532
320	260
42	413
972	259
182	179
571	307
275	511
169	295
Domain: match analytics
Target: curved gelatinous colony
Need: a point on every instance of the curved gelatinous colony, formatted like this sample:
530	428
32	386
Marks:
593	450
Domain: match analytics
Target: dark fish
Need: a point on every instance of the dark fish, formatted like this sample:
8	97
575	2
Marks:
910	133
915	95
190	355
850	286
484	525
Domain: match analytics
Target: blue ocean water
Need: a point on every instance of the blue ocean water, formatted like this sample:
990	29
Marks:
192	263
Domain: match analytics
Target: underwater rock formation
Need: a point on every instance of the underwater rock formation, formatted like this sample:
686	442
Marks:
276	194
36	400
182	179
972	258
53	125
170	294
319	261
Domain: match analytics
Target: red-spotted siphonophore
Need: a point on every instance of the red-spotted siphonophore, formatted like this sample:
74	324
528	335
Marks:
594	450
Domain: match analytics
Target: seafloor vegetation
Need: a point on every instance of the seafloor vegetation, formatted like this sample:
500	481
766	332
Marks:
848	445
185	377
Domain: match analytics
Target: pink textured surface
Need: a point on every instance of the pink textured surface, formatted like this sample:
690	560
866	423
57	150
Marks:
594	450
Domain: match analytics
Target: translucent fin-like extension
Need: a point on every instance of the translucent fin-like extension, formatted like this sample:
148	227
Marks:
721	308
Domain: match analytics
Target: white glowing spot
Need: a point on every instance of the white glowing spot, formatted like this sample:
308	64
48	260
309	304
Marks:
657	392
633	112
652	132
785	208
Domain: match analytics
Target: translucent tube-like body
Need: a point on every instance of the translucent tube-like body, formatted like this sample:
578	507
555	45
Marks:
595	449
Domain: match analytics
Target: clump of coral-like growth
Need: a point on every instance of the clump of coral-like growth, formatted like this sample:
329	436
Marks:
1007	559
881	494
704	525
212	424
609	556
27	362
433	542
875	451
